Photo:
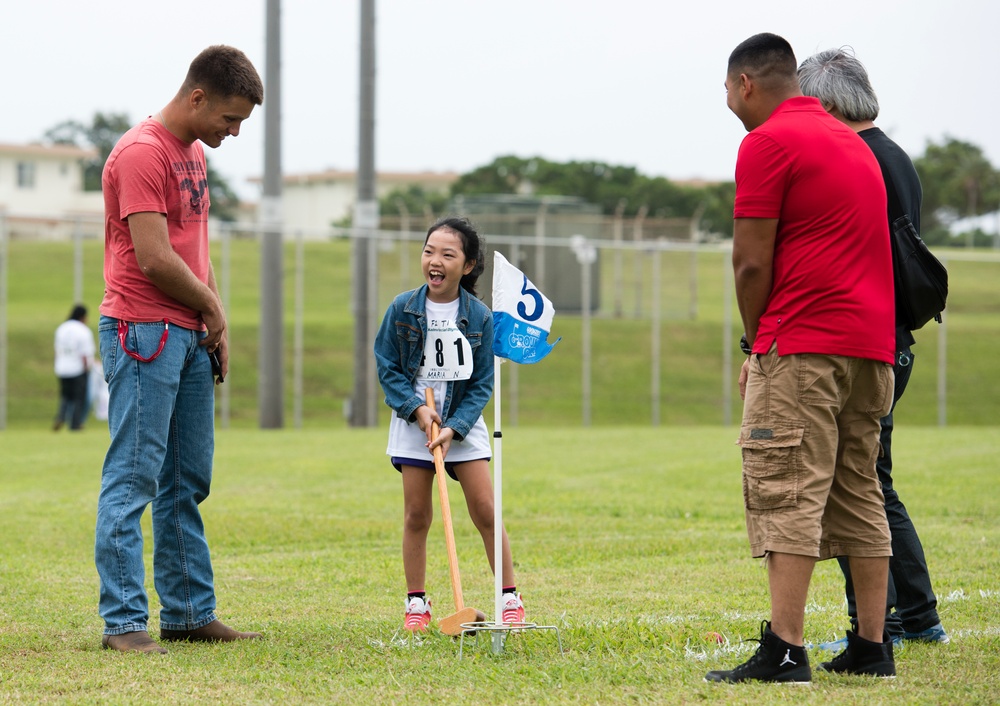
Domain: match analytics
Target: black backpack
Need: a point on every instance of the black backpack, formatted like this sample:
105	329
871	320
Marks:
921	281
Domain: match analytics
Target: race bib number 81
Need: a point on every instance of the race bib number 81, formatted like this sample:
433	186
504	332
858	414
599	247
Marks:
447	353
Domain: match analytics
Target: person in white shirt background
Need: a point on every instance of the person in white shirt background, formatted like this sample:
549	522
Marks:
75	348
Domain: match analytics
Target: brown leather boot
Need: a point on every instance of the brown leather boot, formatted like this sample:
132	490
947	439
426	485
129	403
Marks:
215	631
138	641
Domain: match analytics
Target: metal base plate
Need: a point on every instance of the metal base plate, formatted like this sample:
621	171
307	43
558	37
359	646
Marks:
500	631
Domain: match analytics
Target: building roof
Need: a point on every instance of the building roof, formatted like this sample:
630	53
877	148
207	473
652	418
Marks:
52	151
333	175
696	182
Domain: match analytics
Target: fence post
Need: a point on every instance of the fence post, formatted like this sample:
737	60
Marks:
586	254
298	344
727	340
77	261
225	286
3	319
693	273
637	238
618	226
942	365
514	378
404	245
655	335
540	245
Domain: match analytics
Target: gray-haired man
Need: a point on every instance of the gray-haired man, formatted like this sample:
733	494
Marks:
841	84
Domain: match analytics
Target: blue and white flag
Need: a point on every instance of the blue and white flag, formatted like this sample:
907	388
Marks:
522	316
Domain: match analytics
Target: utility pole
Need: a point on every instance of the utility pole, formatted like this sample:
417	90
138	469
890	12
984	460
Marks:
271	371
366	222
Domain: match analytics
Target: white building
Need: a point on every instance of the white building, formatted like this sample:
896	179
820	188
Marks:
314	202
41	190
42	196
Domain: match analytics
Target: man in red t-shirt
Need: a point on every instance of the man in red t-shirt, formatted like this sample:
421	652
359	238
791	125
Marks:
813	275
162	319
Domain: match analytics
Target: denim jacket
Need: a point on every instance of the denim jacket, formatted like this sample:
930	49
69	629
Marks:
399	345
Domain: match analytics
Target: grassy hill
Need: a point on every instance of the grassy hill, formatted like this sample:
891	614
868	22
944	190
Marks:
549	393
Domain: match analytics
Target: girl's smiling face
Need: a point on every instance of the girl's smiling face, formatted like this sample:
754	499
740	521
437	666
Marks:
443	264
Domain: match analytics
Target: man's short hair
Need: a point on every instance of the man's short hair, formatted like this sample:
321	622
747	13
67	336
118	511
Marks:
765	57
836	77
223	72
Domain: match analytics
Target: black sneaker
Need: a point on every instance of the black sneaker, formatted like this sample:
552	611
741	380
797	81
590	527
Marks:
774	661
863	657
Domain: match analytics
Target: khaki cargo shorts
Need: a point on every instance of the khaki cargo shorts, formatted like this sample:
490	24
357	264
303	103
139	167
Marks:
810	438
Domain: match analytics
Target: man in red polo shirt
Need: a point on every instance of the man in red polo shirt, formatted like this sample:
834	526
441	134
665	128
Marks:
813	274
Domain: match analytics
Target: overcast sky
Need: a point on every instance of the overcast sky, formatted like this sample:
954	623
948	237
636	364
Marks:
460	82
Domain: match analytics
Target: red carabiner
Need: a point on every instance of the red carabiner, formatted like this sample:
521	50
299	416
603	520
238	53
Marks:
123	331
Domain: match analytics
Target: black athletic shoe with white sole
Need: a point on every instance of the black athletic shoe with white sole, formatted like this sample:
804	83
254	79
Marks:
863	657
774	661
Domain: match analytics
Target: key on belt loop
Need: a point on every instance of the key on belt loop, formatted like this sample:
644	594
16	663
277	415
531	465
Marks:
123	331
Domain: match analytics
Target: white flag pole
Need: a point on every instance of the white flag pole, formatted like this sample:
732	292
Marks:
526	348
497	496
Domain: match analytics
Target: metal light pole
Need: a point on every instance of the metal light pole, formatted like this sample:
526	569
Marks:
366	221
270	386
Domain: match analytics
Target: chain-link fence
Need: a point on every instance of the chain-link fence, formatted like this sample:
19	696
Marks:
649	326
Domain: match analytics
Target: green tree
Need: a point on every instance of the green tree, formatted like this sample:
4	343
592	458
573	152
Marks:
600	183
225	201
415	200
504	175
596	182
717	214
103	133
958	182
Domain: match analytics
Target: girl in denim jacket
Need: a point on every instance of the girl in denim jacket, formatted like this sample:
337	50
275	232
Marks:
441	336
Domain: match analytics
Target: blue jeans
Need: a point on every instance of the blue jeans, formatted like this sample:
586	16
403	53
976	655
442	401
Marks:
911	605
161	421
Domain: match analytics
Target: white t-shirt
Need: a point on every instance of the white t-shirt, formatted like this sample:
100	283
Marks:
447	356
74	344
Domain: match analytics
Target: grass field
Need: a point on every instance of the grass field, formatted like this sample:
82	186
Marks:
629	539
550	394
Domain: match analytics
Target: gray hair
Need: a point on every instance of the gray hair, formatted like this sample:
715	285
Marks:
836	77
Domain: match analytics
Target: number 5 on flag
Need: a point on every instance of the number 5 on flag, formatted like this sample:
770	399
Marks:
519	333
536	297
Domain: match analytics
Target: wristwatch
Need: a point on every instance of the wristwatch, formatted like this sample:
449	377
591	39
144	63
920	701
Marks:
744	346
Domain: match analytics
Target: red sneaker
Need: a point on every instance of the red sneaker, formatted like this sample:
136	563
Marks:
418	614
513	608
